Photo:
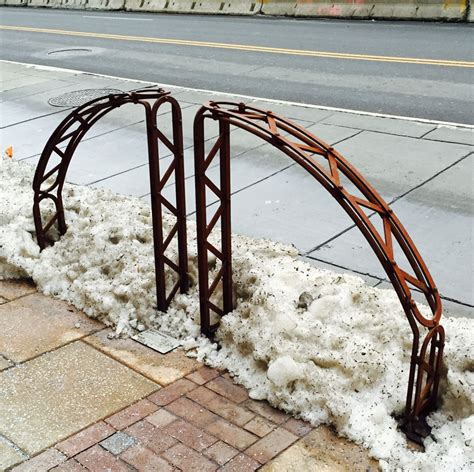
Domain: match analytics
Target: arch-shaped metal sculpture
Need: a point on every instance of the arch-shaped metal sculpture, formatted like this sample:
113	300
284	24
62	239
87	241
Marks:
328	167
49	179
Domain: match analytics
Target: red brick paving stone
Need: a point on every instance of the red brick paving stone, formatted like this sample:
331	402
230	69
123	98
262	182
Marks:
221	406
190	435
161	418
85	439
260	426
271	445
170	393
42	462
145	460
192	412
151	437
69	466
228	389
98	459
298	427
131	414
262	408
231	434
188	460
221	452
241	463
203	375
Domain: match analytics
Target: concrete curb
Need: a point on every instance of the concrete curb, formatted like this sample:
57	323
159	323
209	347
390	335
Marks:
431	10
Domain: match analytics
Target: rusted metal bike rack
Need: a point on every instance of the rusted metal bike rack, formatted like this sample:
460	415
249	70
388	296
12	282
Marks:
49	180
327	166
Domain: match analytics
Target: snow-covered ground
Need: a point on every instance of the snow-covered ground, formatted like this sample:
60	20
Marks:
322	346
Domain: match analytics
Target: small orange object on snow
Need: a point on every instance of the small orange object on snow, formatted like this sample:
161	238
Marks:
9	152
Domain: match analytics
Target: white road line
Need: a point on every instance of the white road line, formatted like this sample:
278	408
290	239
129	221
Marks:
249	97
116	18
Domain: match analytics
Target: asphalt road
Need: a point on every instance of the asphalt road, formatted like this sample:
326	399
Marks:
422	70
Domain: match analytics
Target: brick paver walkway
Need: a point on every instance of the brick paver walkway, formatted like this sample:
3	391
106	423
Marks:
194	419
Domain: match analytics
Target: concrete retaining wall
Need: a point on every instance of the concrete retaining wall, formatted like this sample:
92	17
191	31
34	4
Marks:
229	7
385	9
106	4
79	4
14	3
447	10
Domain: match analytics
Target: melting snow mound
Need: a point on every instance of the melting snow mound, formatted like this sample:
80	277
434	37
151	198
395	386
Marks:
322	346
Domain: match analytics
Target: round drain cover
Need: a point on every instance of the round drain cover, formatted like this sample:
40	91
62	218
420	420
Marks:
79	97
69	51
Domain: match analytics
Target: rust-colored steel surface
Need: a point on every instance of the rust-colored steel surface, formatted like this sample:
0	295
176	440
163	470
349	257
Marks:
361	202
50	177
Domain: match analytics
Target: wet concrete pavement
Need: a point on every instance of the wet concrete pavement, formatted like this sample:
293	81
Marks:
425	171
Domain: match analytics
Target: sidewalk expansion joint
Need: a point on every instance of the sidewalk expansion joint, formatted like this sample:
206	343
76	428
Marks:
56	348
383	279
395	199
442	171
36	118
249	186
367	274
10	443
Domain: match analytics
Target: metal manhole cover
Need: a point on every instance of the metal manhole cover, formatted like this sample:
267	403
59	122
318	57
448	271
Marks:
79	97
69	51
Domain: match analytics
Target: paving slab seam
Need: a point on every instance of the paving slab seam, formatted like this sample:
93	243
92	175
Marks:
189	177
166	155
444	141
380	279
88	139
10	443
102	134
378	131
434	176
453	300
395	199
69	108
348	137
249	186
169	154
428	132
383	279
253	183
35	118
19	297
24	95
53	349
9	361
120	361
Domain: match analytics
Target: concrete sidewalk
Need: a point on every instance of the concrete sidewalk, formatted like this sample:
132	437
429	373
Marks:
72	398
423	170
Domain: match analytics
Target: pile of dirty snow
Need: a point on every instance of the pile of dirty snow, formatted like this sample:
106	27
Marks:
322	346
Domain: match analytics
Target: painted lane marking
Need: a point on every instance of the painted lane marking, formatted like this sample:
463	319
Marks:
243	47
116	18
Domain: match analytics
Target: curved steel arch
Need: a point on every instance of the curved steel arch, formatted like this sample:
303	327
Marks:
48	182
326	165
